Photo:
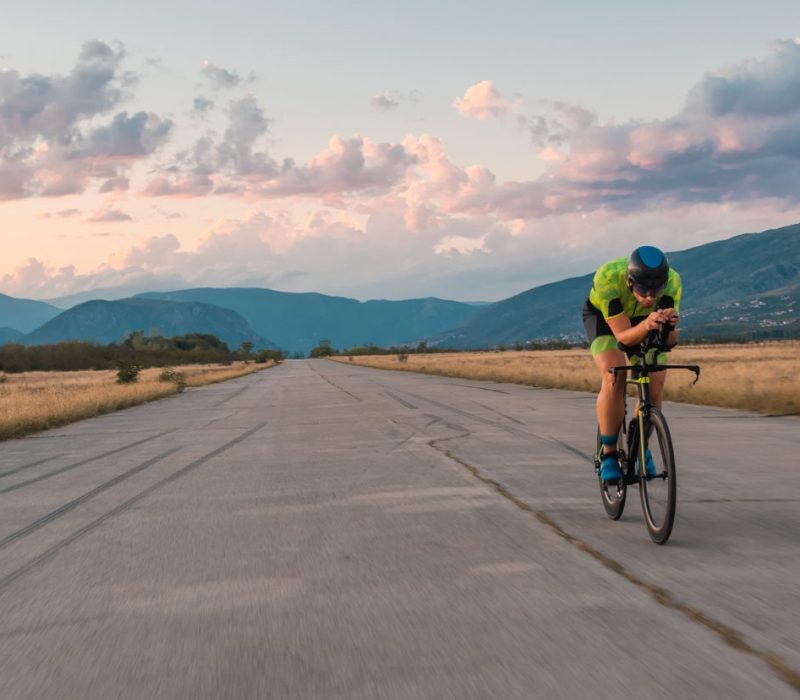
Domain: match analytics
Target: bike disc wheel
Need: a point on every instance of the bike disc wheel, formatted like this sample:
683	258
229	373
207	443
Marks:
612	495
658	493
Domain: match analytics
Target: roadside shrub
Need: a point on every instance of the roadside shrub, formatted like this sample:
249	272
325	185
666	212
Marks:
170	374
263	356
127	370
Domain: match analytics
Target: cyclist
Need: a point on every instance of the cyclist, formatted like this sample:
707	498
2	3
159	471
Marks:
629	298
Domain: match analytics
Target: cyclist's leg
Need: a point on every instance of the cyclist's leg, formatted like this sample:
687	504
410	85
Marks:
610	405
657	388
610	400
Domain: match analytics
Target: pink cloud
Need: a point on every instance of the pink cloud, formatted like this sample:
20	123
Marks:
482	101
108	216
53	141
180	188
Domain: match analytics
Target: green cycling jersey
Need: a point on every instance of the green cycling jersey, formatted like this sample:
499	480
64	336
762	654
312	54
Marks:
610	294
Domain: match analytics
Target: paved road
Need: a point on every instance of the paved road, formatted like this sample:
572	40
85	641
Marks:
325	530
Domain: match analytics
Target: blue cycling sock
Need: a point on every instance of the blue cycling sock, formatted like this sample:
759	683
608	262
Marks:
609	440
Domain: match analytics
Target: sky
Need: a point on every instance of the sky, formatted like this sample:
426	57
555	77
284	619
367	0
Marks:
465	150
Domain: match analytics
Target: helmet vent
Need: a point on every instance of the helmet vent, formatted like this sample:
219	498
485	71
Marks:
650	256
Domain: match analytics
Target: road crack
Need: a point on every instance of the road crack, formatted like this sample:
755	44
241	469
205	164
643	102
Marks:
661	595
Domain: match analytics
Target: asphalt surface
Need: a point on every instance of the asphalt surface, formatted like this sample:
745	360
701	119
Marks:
324	530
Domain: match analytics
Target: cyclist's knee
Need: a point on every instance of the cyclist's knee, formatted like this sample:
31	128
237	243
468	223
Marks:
611	383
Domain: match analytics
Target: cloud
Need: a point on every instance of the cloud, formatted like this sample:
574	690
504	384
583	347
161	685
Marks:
201	105
736	139
356	164
389	100
125	138
385	101
482	101
556	123
756	88
115	184
237	164
50	106
247	123
721	147
52	138
221	78
108	216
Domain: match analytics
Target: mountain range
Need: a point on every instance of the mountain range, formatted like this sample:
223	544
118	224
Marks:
297	322
110	321
748	285
24	315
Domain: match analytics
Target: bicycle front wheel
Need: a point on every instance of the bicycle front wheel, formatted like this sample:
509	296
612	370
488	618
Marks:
658	486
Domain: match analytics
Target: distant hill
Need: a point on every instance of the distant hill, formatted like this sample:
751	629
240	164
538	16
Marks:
10	335
111	321
24	315
746	285
298	321
124	291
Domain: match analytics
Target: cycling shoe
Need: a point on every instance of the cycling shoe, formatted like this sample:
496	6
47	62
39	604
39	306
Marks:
609	469
649	464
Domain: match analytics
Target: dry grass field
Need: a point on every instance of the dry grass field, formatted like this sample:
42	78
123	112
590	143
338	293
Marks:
763	377
33	401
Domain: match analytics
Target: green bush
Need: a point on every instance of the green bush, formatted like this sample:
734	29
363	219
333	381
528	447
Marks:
128	370
170	374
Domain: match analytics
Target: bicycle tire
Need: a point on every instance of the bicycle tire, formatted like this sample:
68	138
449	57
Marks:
613	503
659	524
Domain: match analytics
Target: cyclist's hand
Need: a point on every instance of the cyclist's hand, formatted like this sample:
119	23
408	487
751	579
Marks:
654	321
670	316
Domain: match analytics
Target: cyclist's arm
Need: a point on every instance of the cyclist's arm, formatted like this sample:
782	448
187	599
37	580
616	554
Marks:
669	306
671	317
633	335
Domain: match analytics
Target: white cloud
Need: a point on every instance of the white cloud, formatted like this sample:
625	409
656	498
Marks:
482	101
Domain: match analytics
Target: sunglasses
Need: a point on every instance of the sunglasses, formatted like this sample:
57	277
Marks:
645	291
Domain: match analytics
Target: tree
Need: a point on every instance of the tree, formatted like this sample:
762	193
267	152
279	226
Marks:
322	350
245	349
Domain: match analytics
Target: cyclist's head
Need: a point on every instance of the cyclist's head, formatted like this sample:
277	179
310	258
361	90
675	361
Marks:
648	271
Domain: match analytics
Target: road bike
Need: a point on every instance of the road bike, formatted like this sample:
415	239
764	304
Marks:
657	490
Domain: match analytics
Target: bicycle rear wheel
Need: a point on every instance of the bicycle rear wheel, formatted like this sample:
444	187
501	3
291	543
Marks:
613	496
659	492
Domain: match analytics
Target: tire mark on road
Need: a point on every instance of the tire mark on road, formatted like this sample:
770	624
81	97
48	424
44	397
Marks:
402	402
494	410
61	470
236	393
662	596
473	416
71	505
15	470
485	388
8	579
572	450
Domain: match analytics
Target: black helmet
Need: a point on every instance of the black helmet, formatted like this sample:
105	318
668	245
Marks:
648	270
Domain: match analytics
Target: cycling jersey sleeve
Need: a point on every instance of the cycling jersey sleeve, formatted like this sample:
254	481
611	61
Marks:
606	290
674	289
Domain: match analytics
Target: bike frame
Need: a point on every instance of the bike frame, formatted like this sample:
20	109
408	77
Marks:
641	371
